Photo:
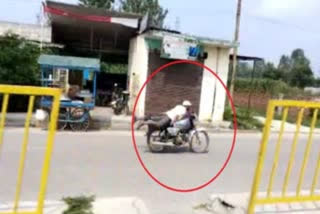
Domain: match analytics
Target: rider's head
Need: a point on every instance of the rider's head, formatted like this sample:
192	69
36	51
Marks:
187	104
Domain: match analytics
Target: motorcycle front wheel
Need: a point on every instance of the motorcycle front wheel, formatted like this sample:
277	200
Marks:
199	142
154	136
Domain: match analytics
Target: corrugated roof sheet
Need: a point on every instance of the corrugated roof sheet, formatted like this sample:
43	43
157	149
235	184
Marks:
243	57
91	11
69	61
201	40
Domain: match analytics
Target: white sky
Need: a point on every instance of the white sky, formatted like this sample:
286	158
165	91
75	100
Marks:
269	28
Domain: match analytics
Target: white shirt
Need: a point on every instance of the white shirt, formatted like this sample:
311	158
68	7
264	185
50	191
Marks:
177	112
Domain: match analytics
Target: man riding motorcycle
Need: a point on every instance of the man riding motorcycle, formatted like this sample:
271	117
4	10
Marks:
179	112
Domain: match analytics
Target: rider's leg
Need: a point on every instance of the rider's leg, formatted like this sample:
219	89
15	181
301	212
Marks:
138	118
165	121
149	122
149	117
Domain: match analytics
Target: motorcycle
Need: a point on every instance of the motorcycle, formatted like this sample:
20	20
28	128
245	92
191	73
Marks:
120	104
179	134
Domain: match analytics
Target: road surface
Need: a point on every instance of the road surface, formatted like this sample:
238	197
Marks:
105	164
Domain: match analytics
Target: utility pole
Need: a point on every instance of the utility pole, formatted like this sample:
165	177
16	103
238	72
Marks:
235	50
177	24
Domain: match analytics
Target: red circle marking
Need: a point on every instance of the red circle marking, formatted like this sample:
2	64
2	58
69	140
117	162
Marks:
234	126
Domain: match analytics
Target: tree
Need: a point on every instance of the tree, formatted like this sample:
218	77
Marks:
244	70
156	13
301	73
105	4
271	72
302	77
284	68
316	82
260	66
294	70
18	66
177	24
18	61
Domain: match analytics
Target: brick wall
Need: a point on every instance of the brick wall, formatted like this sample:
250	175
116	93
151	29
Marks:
259	102
172	85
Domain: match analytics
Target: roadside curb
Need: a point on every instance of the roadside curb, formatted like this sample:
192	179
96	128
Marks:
119	205
240	202
119	123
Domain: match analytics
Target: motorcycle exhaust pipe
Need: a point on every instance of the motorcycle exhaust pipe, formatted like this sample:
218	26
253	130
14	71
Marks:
169	144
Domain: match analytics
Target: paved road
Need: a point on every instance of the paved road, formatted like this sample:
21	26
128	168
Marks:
105	164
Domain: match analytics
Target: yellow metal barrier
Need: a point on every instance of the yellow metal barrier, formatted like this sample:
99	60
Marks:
255	199
6	91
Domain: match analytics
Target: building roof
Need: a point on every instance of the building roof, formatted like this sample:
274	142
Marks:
201	40
247	58
87	17
69	62
164	30
90	11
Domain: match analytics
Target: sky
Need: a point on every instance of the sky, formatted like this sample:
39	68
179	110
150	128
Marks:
268	29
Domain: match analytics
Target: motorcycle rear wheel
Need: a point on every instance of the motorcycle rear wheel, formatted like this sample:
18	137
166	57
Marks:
151	137
196	141
117	111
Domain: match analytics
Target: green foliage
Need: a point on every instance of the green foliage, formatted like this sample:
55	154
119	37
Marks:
18	66
228	114
18	61
302	76
79	205
105	4
114	68
300	73
316	82
284	68
271	72
244	70
156	13
307	119
245	118
272	87
294	70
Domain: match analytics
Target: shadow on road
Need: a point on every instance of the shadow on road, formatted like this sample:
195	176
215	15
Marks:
167	150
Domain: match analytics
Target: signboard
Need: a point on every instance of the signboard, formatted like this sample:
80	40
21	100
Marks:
179	48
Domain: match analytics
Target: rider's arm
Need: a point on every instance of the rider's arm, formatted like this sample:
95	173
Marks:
186	115
175	119
182	114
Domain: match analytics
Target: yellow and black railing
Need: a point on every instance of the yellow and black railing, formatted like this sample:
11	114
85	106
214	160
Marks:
32	92
255	198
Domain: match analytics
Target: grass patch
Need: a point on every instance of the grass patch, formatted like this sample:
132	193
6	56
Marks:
245	119
306	121
79	205
272	87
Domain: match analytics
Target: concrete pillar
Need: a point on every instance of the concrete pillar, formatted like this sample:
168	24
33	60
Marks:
137	72
208	85
220	95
